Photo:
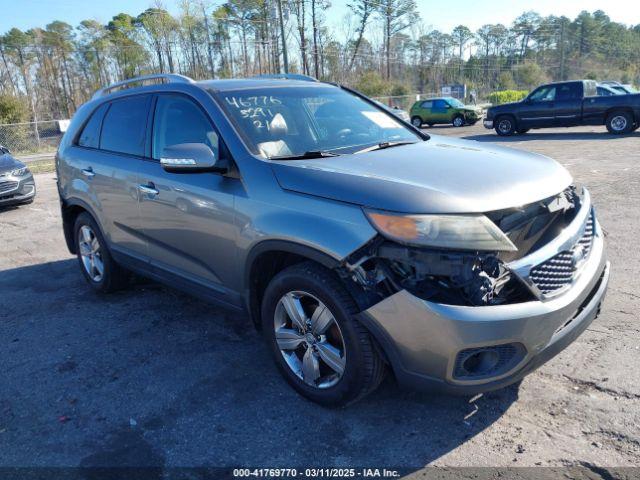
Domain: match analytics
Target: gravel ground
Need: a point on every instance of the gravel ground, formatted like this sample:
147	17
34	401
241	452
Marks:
153	377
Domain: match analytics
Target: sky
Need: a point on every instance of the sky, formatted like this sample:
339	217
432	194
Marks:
26	14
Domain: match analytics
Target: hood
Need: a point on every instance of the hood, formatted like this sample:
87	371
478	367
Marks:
504	106
8	163
441	175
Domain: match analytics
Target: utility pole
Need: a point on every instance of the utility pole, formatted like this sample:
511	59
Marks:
314	20
562	49
209	51
284	40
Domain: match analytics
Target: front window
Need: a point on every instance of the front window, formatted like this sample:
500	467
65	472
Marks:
293	121
178	120
544	94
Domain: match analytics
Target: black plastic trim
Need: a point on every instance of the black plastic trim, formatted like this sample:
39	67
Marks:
288	247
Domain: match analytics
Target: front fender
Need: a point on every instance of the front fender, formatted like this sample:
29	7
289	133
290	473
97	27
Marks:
331	229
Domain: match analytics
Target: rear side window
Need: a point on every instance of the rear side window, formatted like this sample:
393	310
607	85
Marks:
569	91
90	136
124	126
427	104
179	120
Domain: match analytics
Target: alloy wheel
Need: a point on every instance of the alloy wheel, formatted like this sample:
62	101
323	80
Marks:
504	126
309	339
90	253
416	122
458	122
619	123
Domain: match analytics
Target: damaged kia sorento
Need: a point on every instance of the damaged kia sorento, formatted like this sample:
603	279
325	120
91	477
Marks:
356	243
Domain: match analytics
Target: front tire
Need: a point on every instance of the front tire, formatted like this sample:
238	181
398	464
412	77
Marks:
98	267
458	121
505	126
321	350
619	123
416	122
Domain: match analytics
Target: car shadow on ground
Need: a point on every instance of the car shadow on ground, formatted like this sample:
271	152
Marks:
494	138
153	377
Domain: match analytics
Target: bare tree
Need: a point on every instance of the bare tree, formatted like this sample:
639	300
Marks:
397	15
363	10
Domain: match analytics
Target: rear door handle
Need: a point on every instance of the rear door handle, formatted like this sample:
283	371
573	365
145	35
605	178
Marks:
149	189
88	172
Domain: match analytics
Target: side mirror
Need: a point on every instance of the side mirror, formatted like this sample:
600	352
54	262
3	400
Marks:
190	158
447	106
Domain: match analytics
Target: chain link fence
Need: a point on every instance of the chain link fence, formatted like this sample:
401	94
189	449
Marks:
32	137
43	137
403	102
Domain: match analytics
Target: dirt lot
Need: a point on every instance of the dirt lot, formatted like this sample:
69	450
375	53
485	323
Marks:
151	376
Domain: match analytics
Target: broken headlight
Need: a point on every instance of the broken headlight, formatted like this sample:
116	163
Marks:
462	232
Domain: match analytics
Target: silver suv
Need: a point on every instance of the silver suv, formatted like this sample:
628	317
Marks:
355	242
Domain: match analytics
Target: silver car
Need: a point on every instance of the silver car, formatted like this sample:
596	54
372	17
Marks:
17	185
358	244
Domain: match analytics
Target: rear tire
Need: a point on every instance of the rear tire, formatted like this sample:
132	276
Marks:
619	123
98	267
416	122
297	342
505	126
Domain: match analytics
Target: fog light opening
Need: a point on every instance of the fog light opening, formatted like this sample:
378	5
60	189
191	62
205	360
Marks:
486	362
481	362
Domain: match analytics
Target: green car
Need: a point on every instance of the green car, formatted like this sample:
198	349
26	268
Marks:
443	110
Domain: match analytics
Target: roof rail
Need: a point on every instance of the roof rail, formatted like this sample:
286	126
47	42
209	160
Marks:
288	76
167	77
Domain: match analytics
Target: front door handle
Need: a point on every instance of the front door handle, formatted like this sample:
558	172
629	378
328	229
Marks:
88	172
149	189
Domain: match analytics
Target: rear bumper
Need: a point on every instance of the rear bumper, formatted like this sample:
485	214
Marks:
487	123
425	342
14	190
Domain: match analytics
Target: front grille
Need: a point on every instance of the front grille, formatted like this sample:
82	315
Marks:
8	186
587	237
558	272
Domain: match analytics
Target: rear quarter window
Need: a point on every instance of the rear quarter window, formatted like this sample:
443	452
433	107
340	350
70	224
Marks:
124	126
90	136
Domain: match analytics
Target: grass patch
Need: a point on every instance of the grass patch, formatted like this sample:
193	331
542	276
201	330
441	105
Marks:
42	166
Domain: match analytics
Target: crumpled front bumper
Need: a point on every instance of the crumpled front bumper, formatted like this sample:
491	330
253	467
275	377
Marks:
15	190
423	340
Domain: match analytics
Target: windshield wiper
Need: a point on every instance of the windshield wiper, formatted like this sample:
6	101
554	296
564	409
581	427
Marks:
306	155
383	145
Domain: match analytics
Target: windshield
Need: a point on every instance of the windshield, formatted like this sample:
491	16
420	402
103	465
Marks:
293	121
455	103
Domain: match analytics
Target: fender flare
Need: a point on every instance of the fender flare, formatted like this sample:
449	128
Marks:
286	246
67	227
